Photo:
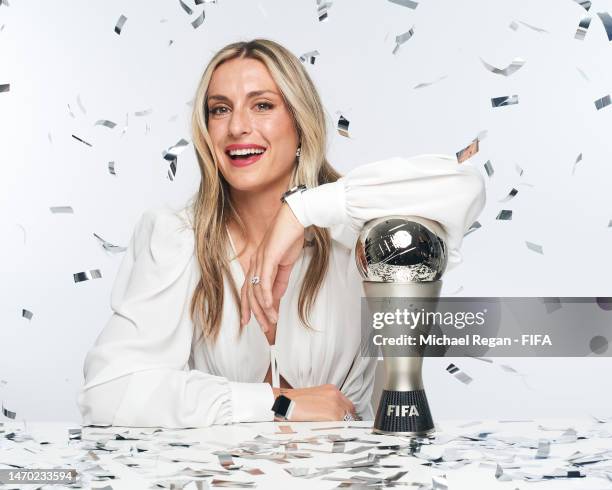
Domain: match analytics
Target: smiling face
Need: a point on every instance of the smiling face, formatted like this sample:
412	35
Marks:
247	115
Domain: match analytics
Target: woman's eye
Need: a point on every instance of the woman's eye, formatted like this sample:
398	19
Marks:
266	105
216	110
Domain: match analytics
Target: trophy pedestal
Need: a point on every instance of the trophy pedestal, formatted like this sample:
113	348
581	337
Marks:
403	413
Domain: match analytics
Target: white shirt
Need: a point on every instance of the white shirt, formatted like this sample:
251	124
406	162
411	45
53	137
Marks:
147	367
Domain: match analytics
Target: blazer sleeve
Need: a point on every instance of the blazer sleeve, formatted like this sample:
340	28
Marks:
137	373
434	187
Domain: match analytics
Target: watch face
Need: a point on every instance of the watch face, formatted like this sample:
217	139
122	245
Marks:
281	405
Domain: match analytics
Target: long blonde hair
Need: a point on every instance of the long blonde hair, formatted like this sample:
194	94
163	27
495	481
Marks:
212	206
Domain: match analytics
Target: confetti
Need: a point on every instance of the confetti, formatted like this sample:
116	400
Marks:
427	84
402	38
81	140
105	122
513	25
535	247
199	20
459	374
322	8
5	87
61	209
87	275
343	125
583	26
489	168
7	413
232	483
109	247
475	225
603	102
285	429
406	3
518	169
27	314
606	20
70	112
468	151
504	214
119	24
585	4
504	101
185	7
533	28
309	57
81	106
584	75
513	67
510	195
578	159
111	168
146	112
172	153
74	434
543	449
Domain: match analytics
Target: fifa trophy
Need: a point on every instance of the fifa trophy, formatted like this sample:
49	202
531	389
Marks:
402	257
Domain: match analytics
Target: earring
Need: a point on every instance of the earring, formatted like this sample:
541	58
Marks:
298	152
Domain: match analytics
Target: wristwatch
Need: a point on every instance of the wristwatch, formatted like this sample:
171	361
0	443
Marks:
293	190
283	407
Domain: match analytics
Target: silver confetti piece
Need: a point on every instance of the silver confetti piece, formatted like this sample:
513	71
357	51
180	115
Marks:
578	159
504	214
50	138
309	57
468	151
606	20
499	474
406	3
199	20
109	247
338	447
5	87
475	225
232	483
185	7
7	413
427	84
603	102
513	25
535	247
70	112
439	483
583	27
489	168
510	195
584	75
343	125
146	112
111	168
322	8
175	150
610	224
585	4
119	24
4	2
504	101
518	169
81	106
27	314
459	374
105	122
87	275
74	434
543	449
61	209
402	38
82	140
513	67
533	28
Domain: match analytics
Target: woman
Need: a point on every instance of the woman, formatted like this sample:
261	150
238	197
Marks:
184	347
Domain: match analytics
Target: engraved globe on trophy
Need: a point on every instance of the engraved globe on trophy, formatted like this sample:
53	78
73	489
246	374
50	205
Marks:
402	257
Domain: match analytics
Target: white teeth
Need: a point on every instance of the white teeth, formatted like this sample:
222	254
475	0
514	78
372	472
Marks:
246	151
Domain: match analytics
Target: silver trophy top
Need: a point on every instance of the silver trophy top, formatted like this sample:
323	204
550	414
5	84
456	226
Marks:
401	249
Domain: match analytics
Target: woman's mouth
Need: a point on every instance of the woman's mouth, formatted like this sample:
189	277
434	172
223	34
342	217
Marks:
244	158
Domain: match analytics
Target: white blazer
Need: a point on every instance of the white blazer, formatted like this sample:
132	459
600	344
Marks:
147	367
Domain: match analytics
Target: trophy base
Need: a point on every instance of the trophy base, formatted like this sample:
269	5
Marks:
403	413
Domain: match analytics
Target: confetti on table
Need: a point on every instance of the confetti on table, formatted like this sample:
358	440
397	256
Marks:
505	215
603	102
535	247
406	3
61	209
459	374
402	38
27	314
120	23
87	275
504	101
513	67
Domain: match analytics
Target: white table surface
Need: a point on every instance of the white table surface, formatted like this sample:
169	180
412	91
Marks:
459	463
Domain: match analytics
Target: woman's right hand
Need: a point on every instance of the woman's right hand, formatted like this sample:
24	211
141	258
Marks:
318	403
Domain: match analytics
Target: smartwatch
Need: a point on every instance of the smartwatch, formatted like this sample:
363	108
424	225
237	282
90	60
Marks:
283	407
293	199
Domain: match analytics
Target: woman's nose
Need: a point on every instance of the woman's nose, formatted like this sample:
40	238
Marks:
240	122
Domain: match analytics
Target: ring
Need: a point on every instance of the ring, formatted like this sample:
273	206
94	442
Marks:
255	280
348	417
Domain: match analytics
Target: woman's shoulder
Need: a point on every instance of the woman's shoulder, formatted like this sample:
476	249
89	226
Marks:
166	232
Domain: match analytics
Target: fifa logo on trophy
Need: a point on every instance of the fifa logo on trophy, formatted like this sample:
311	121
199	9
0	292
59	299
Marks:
402	257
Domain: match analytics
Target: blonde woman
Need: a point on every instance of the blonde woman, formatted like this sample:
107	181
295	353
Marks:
221	308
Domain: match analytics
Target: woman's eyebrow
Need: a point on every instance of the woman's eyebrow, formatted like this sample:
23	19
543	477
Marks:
254	93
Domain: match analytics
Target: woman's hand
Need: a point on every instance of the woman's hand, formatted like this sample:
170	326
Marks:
318	403
272	262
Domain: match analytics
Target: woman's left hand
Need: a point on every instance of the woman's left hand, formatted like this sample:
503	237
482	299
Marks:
272	262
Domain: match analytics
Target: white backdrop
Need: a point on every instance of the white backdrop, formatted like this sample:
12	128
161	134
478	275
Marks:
54	54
